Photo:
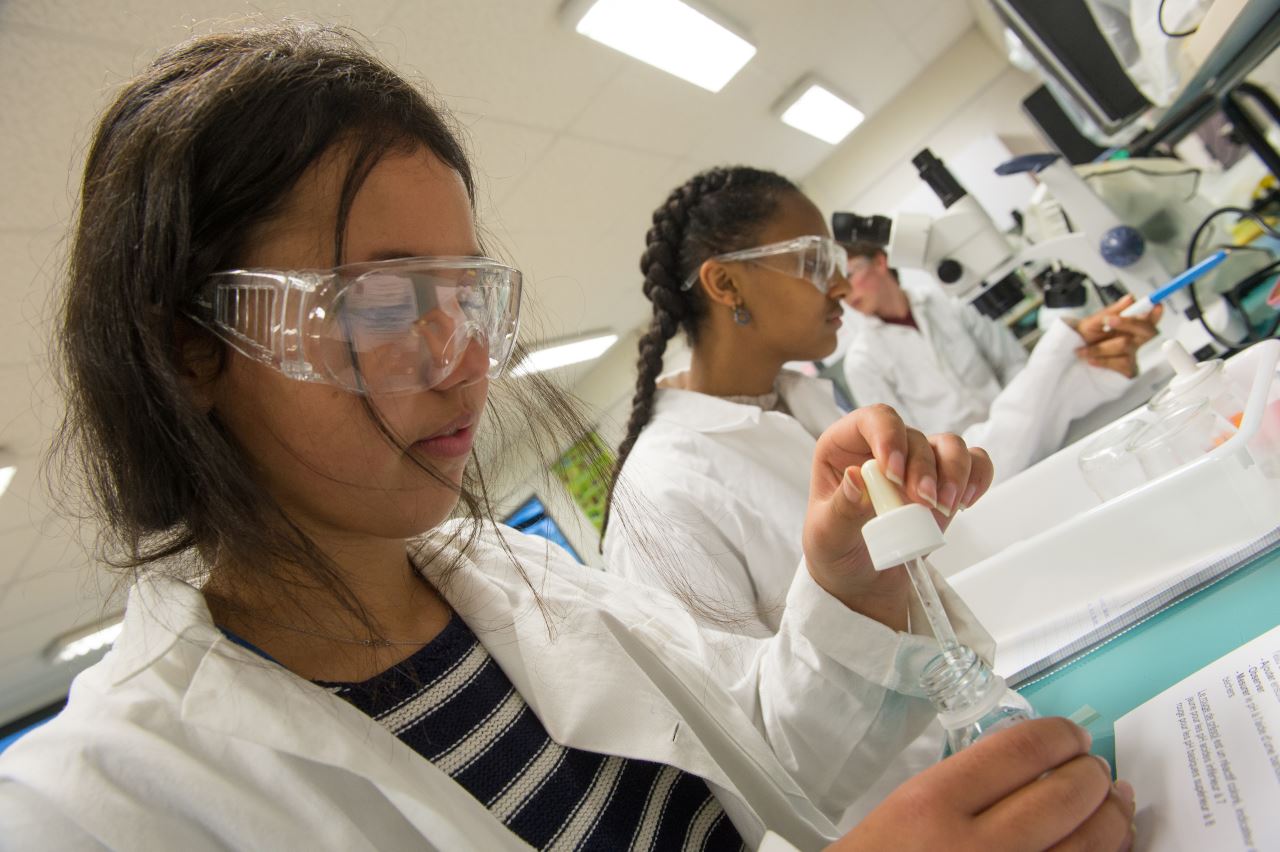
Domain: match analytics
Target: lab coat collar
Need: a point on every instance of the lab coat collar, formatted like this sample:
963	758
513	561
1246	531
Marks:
811	401
918	297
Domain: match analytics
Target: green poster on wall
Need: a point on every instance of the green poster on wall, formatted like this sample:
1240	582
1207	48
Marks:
584	469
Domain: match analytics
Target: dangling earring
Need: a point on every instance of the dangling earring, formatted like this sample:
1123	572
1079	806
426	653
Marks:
741	315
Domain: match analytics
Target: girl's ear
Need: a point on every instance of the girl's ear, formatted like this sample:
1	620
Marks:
718	284
199	362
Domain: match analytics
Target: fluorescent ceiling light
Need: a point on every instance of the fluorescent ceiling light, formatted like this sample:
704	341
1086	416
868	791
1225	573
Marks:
669	35
85	640
563	354
8	467
820	113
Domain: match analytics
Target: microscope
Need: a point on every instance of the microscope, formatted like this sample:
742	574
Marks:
977	263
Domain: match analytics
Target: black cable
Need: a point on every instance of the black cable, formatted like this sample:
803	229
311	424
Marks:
1160	23
1248	283
1230	345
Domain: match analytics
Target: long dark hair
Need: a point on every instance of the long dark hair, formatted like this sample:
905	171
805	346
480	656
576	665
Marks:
194	153
715	211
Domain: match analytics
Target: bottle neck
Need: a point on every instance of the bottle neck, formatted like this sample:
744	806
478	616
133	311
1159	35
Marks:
961	687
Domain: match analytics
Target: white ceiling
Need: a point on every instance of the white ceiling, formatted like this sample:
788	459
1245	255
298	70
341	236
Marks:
575	145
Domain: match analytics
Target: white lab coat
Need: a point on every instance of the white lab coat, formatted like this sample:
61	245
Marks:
711	503
963	373
713	496
180	739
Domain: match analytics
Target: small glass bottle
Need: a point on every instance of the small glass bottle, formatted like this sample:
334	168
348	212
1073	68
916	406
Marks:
972	700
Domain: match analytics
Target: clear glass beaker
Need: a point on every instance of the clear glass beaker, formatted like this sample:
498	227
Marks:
1179	437
1108	466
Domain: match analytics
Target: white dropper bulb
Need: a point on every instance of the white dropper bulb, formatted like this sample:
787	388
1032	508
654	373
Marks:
902	534
900	531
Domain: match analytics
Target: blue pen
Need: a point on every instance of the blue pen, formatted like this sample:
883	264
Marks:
1143	306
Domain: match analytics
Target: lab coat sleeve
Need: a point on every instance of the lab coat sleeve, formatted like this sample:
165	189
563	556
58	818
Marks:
1031	416
837	694
999	346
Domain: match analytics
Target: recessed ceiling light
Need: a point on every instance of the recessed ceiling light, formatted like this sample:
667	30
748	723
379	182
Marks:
813	108
6	477
85	640
666	34
562	354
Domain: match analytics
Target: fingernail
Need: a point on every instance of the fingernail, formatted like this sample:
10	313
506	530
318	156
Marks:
969	494
947	499
897	468
1106	764
1125	791
851	491
928	491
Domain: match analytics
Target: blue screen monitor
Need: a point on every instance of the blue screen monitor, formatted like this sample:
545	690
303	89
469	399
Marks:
532	518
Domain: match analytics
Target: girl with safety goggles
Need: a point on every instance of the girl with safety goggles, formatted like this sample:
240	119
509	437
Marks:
330	644
725	451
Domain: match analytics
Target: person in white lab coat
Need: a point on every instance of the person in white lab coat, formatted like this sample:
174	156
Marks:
946	368
721	452
313	656
713	476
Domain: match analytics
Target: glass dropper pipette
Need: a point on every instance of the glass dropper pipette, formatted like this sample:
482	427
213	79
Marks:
971	699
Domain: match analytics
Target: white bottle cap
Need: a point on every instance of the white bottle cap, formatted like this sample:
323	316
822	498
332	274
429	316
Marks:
899	531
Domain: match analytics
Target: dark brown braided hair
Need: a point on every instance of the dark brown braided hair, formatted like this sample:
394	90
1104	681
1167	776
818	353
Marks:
715	211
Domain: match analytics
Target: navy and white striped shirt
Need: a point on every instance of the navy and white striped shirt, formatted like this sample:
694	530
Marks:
451	703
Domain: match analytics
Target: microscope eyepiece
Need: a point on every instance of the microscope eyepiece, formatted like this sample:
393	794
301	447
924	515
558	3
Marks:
941	181
852	228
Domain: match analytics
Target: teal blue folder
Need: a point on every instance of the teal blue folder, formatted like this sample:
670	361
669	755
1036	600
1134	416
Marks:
1153	655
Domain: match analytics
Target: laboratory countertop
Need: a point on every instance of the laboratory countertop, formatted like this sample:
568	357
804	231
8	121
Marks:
1153	655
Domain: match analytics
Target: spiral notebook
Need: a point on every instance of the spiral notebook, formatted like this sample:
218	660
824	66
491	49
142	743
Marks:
1025	657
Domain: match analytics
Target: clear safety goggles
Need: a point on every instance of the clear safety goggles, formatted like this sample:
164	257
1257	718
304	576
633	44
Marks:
818	260
391	326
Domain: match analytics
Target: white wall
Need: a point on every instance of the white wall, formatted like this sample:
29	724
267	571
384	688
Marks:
969	96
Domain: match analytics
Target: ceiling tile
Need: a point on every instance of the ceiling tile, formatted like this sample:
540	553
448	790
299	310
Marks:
582	186
60	544
33	266
52	91
645	107
27	501
49	591
15	544
32	410
512	61
582	285
154	26
32	636
502	155
931	33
